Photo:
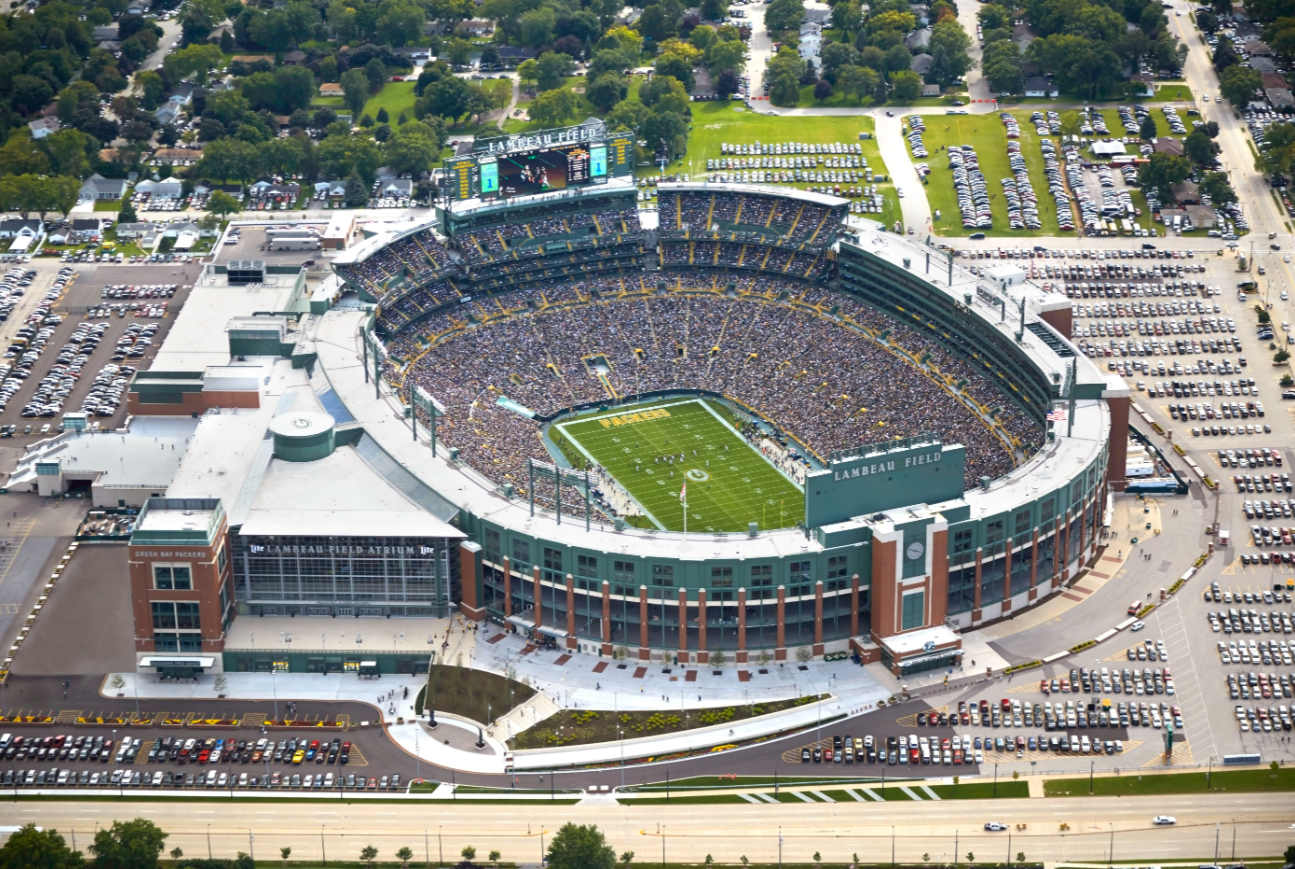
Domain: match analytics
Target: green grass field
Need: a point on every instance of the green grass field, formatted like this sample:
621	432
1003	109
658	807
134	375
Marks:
1232	781
730	484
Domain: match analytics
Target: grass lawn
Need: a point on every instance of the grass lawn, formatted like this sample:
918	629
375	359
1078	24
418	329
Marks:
1168	92
1233	781
714	123
474	694
584	108
732	484
108	204
584	727
983	790
395	97
656	801
985	133
840	101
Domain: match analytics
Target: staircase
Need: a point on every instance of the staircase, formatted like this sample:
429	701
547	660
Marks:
527	715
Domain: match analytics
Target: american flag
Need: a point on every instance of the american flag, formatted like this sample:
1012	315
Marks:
1058	415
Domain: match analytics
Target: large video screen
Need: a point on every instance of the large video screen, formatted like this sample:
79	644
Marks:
530	172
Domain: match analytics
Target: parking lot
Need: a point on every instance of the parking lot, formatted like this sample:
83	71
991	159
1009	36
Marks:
300	761
74	347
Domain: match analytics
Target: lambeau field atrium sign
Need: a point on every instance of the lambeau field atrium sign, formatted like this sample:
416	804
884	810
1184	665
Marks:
919	470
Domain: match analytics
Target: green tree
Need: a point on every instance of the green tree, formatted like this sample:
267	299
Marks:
1277	152
1162	172
368	853
285	853
399	22
580	847
677	67
1215	185
355	91
552	68
226	159
726	54
553	108
782	16
375	72
196	60
856	81
128	845
627	857
606	91
537	25
847	16
905	86
1199	148
1238	84
404	855
1147	130
150	87
469	853
29	848
949	36
448	98
69	151
339	155
356	196
627	115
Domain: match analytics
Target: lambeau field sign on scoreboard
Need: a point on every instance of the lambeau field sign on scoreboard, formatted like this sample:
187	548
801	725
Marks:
883	476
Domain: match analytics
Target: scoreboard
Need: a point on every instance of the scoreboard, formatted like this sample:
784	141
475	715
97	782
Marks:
539	162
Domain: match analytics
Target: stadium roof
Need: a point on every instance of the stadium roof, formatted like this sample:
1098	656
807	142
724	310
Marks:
384	234
197	338
467	207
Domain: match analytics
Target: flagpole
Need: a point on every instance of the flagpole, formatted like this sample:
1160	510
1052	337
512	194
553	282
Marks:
685	508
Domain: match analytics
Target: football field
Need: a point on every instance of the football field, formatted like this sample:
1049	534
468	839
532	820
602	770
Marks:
729	483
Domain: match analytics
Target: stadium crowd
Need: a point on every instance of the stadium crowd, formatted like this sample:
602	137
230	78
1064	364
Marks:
488	243
419	254
819	378
794	219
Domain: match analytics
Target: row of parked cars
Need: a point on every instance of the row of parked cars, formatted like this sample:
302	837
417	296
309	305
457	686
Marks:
125	778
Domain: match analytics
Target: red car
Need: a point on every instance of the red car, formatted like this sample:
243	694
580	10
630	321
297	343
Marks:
203	755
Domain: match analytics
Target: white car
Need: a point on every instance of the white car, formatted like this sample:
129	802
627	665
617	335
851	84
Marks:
1163	820
1137	626
995	826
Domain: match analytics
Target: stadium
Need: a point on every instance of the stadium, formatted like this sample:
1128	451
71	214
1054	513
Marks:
747	423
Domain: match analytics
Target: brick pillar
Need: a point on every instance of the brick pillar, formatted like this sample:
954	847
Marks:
701	625
572	642
470	605
741	626
1065	550
1007	576
508	588
780	653
539	601
818	617
683	626
644	652
854	605
1034	565
1058	552
975	608
607	618
1081	553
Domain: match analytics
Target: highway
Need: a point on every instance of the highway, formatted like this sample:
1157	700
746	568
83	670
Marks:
793	832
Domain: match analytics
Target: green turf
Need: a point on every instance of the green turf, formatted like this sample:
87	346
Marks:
736	487
983	790
1233	781
395	97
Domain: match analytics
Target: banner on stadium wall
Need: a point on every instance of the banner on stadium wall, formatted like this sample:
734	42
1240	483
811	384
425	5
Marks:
882	477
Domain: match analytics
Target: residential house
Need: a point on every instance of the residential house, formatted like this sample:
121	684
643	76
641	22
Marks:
918	39
42	127
811	42
295	57
331	89
167	114
414	53
182	95
1147	81
106	32
481	27
1258	48
1039	86
1167	145
132	231
89	225
1272	80
110	45
139	7
250	59
513	55
330	189
99	188
1186	193
930	90
398	188
1280	98
166	188
177	156
820	15
1263	64
921	63
17	228
220	30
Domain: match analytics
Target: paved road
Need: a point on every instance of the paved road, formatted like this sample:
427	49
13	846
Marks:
332	829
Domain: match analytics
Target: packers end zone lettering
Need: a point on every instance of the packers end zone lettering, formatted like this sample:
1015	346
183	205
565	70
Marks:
631	418
855	484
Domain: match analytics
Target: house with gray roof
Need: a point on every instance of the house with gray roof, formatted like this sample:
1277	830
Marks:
100	189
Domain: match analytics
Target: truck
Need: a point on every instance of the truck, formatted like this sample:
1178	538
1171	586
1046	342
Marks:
296	243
